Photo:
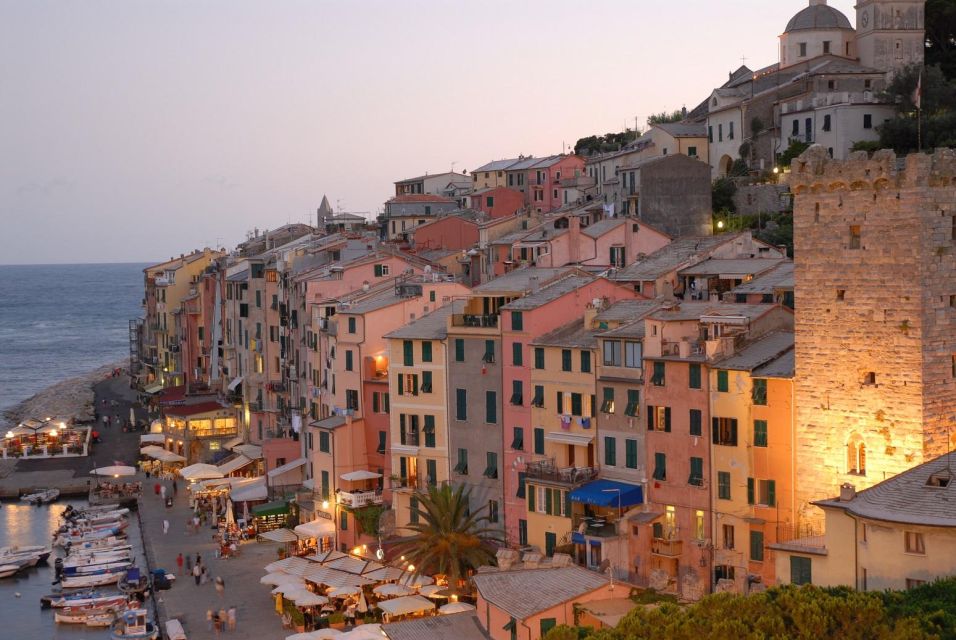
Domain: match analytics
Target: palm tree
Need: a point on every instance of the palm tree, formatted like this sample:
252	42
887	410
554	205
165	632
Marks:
448	539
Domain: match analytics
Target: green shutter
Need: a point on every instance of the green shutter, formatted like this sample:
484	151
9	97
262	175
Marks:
756	546
695	420
723	381
650	417
560	400
431	470
750	490
516	354
426	351
667	419
413	510
630	453
610	453
408	353
381	442
567	504
325	485
585	362
427	382
401	384
517	321
548	502
771	493
532	490
378	271
538	358
375	402
461	408
576	404
491	407
539	441
760	433
522	484
565	360
459	350
694	376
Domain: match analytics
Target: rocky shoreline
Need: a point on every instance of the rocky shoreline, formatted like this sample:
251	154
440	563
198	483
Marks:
72	397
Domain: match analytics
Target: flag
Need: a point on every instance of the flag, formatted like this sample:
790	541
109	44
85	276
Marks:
918	91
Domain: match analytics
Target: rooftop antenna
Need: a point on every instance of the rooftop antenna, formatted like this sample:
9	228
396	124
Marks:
453	163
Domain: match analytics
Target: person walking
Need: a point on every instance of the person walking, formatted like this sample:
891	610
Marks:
175	488
209	619
222	618
189	563
204	577
156	488
197	573
231	617
179	564
220	586
166	527
162	493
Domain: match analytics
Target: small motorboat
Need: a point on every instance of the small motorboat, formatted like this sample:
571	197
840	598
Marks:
90	616
7	570
98	544
66	538
133	582
134	624
81	560
108	576
94	569
33	554
89	598
73	512
41	497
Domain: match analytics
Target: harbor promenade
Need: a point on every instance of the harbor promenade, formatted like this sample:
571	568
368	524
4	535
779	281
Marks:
256	617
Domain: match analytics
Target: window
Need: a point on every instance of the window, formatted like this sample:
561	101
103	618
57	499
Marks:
426	381
633	354
585	361
491	407
633	407
723	485
344	520
429	431
324	484
431	472
348	360
522	540
517	392
761	492
462	467
547	624
565	359
696	477
692	152
517	440
607	404
630	453
539	441
725	431
826	122
413	512
912	583
489	356
610	451
351	399
723	381
461	401
730	131
617	255
855	236
795	130
538	399
803	49
658	418
324	442
867	121
660	466
431	296
381	270
760	433
459	350
538	358
492	509
756	546
612	353
720	133
351	325
695	422
694	376
800	570
759	392
517	321
856	455
517	356
489	201
491	468
728	531
657	379
382	435
426	351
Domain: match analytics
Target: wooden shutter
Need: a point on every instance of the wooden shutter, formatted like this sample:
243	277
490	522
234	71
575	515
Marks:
667	419
750	491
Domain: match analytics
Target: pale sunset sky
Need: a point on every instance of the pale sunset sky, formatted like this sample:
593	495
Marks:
131	130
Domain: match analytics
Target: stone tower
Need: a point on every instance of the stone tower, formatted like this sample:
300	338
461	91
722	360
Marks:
875	289
889	33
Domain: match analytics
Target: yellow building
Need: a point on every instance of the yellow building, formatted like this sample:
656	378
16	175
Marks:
418	417
563	431
751	407
897	534
167	285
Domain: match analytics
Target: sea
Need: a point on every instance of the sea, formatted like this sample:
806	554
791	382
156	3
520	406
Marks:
21	616
61	321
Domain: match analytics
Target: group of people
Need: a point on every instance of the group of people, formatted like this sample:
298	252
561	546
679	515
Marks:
118	489
222	620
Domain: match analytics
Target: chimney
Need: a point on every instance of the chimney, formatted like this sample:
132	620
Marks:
847	492
533	284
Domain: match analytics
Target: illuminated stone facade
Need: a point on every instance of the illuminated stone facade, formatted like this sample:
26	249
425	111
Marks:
875	316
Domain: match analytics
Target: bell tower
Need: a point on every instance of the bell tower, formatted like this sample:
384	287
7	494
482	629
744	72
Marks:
889	33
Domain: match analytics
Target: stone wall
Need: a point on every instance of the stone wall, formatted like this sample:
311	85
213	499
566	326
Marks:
751	199
882	309
676	195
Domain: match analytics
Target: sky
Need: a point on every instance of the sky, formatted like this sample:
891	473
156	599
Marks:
131	131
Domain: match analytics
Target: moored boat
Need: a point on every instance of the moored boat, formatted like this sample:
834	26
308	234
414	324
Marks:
134	624
95	569
7	570
79	560
90	616
133	582
43	496
94	580
89	598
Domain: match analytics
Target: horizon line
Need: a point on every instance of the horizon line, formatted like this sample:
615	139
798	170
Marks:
68	264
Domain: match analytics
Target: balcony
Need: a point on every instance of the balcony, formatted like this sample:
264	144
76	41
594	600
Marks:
477	321
410	439
547	470
359	499
594	527
808	538
667	548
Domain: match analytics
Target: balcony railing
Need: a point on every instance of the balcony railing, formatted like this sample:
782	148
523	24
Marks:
669	548
595	527
547	470
410	439
187	434
806	536
481	321
357	499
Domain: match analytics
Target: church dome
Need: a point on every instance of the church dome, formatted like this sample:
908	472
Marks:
818	16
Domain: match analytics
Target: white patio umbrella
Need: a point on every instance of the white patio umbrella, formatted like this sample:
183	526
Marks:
432	591
277	577
456	607
115	470
392	590
362	604
343	592
364	632
318	634
305	598
411	580
288	587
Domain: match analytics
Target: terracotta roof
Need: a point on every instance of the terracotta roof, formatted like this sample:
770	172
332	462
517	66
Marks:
419	197
524	592
459	626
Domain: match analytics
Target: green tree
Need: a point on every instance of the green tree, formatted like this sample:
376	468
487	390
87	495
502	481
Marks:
665	117
722	195
565	632
938	110
591	145
447	538
795	149
941	36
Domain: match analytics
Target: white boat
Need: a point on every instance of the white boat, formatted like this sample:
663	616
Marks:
44	496
95	580
73	512
99	544
16	549
88	599
83	560
81	529
93	569
7	570
35	554
96	518
89	616
134	624
66	538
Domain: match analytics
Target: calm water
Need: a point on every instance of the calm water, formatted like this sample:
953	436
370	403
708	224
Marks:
21	617
59	321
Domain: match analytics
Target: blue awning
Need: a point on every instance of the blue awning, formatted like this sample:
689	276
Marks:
604	493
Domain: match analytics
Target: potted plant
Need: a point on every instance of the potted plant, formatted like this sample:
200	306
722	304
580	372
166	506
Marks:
337	620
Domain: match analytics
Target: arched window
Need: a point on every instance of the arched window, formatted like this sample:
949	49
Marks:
856	455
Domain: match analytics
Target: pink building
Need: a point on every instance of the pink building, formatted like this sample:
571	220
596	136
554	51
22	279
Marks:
447	232
498	202
562	296
612	242
539	179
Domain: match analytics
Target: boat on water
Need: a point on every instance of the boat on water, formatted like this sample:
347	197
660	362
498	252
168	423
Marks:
7	570
99	579
88	598
94	569
84	559
133	582
72	512
97	518
89	616
66	538
134	624
41	497
82	529
99	544
33	554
